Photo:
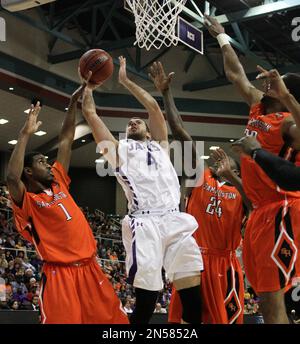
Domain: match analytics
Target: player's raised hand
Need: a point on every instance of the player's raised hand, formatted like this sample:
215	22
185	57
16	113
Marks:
32	124
158	76
275	86
213	26
122	71
245	145
222	162
85	84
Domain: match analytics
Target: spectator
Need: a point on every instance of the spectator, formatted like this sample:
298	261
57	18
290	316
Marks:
15	305
113	256
4	305
127	308
35	303
28	275
159	309
3	263
9	257
28	266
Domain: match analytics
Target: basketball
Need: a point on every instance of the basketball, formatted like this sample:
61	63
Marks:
99	62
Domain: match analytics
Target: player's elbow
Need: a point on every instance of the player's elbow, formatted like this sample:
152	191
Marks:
153	107
231	76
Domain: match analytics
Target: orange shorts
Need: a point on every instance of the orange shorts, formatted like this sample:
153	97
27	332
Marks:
271	244
222	290
79	294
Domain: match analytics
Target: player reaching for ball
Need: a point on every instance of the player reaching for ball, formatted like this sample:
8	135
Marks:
74	290
216	196
272	237
155	234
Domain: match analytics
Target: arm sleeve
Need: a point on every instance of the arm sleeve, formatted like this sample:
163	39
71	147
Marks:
284	173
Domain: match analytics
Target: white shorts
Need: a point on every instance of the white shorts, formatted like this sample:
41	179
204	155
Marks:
152	242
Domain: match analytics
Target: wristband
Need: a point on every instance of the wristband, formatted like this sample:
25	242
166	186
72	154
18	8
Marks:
223	39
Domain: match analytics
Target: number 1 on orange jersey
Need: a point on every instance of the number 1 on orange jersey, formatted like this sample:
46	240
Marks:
69	217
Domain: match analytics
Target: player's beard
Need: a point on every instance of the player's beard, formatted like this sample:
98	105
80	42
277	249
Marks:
47	182
137	136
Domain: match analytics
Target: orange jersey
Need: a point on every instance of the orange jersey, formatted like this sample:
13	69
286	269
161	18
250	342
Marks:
259	188
218	209
54	223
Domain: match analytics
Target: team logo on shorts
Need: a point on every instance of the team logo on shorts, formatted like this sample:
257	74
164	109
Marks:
232	306
284	254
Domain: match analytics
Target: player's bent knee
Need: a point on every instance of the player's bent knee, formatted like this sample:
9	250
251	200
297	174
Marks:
183	281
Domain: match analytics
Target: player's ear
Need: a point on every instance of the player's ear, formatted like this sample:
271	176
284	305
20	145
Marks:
28	171
148	135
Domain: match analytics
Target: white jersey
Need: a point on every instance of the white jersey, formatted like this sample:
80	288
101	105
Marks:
147	176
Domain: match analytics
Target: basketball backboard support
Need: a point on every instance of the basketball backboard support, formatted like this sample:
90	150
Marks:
189	35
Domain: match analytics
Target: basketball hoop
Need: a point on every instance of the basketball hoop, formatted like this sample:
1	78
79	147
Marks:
155	22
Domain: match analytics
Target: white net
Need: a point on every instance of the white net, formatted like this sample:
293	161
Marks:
155	22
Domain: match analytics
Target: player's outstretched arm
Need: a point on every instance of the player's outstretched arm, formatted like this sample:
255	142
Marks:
276	88
162	83
16	163
284	173
224	170
157	123
102	135
234	70
67	133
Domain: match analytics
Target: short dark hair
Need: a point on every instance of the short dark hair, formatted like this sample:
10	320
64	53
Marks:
292	82
28	161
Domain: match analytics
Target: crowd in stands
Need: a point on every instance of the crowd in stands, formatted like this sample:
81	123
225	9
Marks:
251	302
20	266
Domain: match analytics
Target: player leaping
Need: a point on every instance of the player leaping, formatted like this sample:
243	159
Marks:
74	290
213	203
272	237
155	233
